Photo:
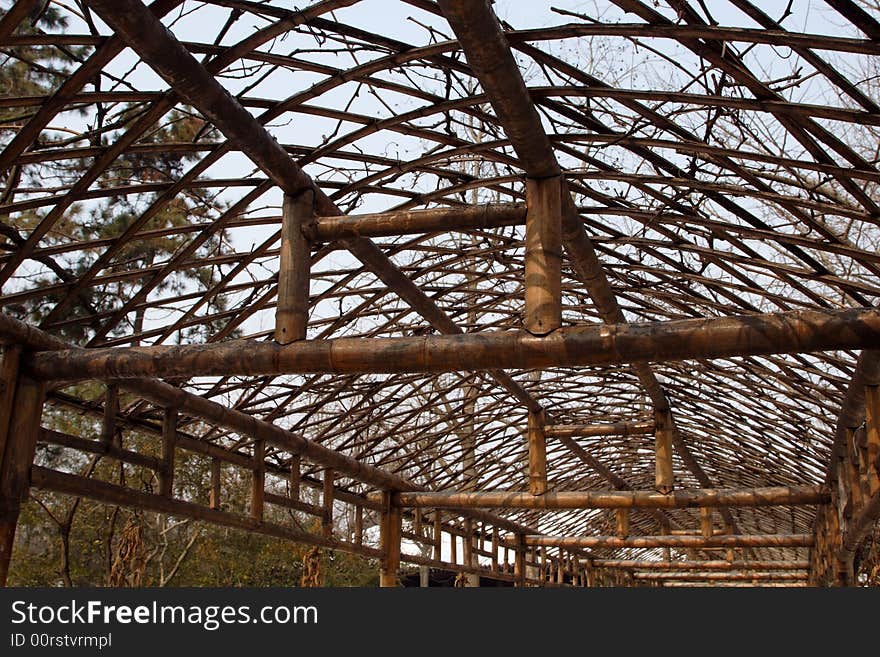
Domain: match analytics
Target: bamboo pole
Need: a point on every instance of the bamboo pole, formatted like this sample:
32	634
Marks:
613	542
774	333
722	577
9	369
872	438
295	476
631	564
543	259
327	501
408	222
292	312
214	500
467	543
852	410
111	408
258	479
51	437
167	395
597	430
664	476
359	525
169	438
537	454
519	561
490	57
619	499
390	530
296	505
100	491
622	523
438	535
706	528
17	457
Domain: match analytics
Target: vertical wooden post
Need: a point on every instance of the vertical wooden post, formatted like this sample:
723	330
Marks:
292	313
438	535
468	542
706	522
591	574
390	530
453	541
494	549
623	523
537	454
295	463
543	304
327	500
544	571
8	384
258	480
664	478
111	408
560	570
215	483
872	429
22	429
852	473
519	561
169	438
359	525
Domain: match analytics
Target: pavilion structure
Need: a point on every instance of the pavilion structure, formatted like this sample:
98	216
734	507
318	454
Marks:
508	314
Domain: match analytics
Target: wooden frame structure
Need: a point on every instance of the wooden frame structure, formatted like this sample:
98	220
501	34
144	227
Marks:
575	309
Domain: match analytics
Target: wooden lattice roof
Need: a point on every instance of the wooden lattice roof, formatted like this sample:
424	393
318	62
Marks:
722	158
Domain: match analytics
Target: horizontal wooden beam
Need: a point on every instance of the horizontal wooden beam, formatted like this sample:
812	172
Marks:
747	335
164	394
739	585
101	491
631	564
51	437
167	395
727	541
598	430
722	577
619	499
409	222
